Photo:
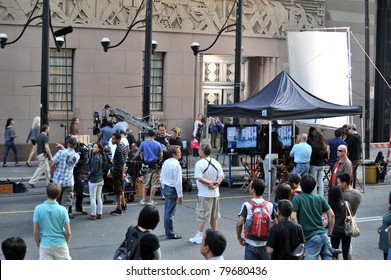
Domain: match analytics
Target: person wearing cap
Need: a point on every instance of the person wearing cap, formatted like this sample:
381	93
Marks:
152	153
354	150
61	168
82	151
209	175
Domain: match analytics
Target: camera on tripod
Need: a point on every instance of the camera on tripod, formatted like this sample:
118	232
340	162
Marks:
143	169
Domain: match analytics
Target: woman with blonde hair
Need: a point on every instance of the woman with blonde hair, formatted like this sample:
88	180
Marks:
35	130
74	127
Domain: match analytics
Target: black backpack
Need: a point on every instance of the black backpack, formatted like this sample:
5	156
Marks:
130	247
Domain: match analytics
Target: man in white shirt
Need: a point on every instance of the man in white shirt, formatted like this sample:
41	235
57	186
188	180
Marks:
171	181
209	175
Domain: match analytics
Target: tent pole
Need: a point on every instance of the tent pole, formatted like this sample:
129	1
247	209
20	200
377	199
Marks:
269	183
364	156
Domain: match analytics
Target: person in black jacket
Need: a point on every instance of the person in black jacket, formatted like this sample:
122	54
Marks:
354	150
286	235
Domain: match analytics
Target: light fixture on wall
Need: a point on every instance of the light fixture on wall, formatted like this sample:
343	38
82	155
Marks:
150	47
46	27
195	47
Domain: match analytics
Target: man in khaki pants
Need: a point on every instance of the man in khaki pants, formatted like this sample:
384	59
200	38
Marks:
43	155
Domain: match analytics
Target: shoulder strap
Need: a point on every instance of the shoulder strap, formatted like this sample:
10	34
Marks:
209	163
348	209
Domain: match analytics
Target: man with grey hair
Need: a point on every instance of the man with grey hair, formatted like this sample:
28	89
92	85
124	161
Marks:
302	155
209	175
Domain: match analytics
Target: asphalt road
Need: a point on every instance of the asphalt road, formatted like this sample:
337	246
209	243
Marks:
97	240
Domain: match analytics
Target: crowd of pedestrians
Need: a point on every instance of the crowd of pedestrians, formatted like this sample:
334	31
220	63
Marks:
296	216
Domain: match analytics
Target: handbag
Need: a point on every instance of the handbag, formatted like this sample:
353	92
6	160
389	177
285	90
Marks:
194	144
298	253
351	228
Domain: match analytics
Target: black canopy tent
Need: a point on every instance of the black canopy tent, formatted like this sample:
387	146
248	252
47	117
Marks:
283	99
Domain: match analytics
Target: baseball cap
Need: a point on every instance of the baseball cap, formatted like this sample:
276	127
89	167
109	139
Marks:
72	141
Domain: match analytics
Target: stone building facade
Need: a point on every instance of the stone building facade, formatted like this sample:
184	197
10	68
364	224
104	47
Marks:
87	78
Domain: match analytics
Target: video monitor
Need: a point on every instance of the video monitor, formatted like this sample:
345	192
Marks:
285	133
241	138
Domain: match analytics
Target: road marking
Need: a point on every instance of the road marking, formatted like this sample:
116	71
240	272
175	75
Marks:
369	219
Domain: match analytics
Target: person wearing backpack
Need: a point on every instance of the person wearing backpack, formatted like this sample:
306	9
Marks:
140	243
255	219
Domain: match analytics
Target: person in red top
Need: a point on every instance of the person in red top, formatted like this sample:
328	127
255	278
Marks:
343	165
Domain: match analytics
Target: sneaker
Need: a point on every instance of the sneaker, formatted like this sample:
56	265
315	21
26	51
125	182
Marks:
70	215
92	217
116	212
142	202
124	207
99	216
32	185
196	239
152	202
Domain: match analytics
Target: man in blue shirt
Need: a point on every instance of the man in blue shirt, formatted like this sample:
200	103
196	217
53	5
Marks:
302	155
52	231
152	153
333	144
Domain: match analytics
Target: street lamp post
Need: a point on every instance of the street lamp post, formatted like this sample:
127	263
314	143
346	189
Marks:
147	61
45	63
150	47
238	55
238	49
367	95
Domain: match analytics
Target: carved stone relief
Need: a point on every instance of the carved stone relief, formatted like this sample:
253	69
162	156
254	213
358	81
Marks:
263	18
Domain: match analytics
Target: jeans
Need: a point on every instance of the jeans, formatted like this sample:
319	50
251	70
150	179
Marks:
256	253
355	165
10	145
66	197
96	197
301	168
43	167
318	245
79	192
169	209
317	173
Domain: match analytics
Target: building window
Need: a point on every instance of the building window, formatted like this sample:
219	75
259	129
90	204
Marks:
157	62
60	80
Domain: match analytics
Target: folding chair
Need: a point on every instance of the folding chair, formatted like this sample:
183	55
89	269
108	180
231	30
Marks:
254	171
283	172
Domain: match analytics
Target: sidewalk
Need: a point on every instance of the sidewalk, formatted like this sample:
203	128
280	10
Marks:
23	172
